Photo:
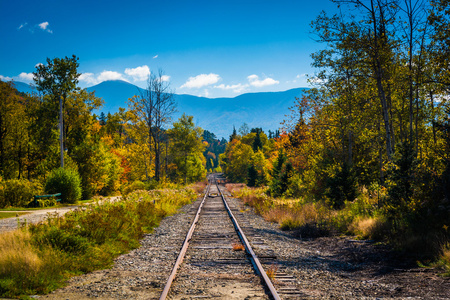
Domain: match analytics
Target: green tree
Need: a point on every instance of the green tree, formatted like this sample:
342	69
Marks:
58	79
234	135
187	149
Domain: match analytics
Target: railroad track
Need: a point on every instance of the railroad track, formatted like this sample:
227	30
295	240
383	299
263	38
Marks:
217	259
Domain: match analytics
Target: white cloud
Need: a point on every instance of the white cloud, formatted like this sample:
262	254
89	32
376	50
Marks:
256	82
165	78
5	78
89	78
22	77
26	76
139	73
237	88
201	81
156	56
22	26
316	80
110	75
44	26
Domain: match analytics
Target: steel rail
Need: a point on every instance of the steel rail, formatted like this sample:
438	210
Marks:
254	259
184	248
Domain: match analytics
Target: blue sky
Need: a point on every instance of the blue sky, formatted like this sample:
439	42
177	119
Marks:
210	48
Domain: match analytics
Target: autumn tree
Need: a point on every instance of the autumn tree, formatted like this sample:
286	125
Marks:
154	107
14	131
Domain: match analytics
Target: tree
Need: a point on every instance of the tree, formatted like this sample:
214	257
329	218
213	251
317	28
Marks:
187	149
14	133
244	129
236	160
154	107
102	119
365	43
257	143
57	79
233	135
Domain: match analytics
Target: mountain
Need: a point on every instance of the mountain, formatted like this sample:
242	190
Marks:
217	115
24	87
115	93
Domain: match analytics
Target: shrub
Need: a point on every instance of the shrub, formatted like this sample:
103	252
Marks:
341	186
18	192
64	181
134	186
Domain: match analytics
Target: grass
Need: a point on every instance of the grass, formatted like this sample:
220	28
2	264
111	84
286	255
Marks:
22	209
6	214
362	218
271	272
444	260
312	219
39	258
80	202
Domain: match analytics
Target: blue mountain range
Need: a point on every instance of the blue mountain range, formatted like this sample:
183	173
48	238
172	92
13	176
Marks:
218	115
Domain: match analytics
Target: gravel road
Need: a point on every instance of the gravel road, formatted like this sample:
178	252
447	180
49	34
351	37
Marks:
36	216
32	216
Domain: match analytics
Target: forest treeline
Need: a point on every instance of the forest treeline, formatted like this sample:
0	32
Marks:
137	147
373	135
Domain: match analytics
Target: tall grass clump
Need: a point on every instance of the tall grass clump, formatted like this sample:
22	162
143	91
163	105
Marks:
199	187
65	181
308	219
39	257
444	259
24	269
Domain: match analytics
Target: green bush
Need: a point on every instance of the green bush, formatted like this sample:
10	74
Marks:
134	186
341	186
64	181
18	192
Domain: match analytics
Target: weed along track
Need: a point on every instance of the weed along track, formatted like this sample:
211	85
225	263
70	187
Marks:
216	260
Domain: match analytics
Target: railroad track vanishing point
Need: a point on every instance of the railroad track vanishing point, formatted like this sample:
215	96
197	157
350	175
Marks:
218	258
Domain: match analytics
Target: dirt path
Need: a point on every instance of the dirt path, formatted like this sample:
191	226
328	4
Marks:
36	216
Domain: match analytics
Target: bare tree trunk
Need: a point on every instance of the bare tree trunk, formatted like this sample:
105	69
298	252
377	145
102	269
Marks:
432	114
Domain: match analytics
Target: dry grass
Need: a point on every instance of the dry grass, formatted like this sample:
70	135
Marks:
234	187
293	218
199	187
368	227
446	254
272	271
238	247
445	259
17	253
